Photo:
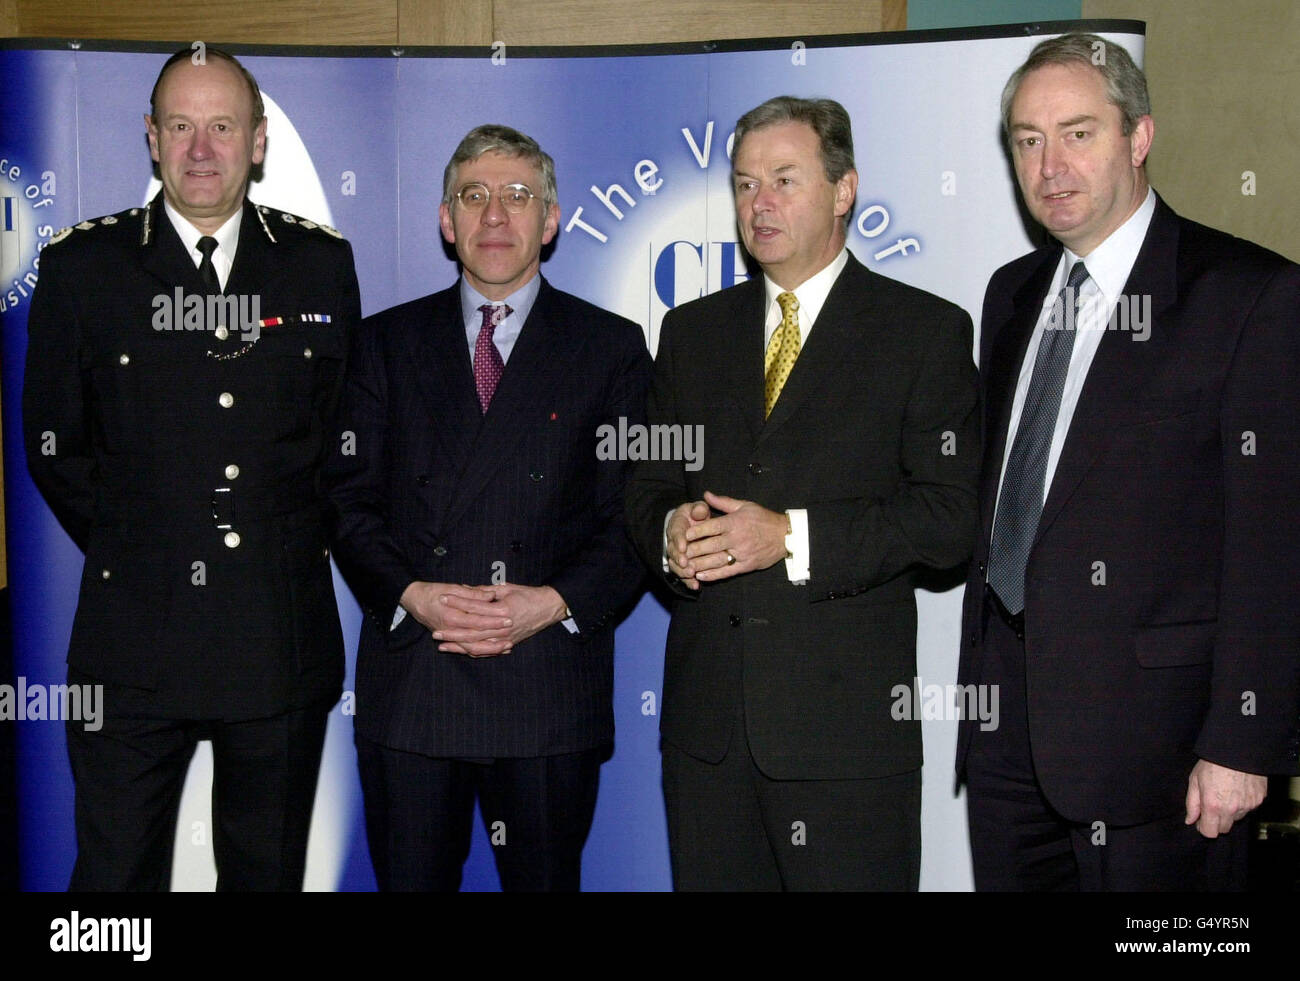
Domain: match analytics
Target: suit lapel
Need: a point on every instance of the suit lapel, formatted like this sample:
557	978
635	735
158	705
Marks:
848	302
444	376
741	369
1121	365
1006	358
541	361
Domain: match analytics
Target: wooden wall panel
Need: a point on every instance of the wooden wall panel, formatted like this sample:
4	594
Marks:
8	18
893	15
444	22
601	22
247	21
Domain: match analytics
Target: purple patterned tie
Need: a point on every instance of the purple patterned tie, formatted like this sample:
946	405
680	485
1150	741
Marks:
487	359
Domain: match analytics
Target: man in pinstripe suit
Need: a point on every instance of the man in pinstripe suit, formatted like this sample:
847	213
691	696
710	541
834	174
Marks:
468	456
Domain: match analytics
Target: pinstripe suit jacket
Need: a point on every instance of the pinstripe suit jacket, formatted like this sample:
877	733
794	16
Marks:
438	491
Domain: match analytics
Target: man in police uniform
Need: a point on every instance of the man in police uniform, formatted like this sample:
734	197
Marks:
178	440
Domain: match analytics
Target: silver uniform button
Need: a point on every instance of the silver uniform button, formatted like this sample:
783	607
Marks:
106	574
306	352
232	539
232	472
124	359
222	332
226	400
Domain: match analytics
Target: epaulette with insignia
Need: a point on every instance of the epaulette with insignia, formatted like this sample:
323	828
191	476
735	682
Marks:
87	225
307	223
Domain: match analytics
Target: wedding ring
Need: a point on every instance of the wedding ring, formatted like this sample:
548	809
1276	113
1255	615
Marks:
731	559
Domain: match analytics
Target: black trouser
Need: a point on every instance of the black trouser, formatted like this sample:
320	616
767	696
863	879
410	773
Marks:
731	827
420	813
1020	843
129	775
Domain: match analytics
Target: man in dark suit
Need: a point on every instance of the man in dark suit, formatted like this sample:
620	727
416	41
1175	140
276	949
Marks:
475	413
1133	590
177	432
834	468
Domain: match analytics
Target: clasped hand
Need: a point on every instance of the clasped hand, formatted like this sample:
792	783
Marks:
701	548
482	621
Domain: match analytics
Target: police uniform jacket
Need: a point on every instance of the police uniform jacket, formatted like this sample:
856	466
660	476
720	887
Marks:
180	448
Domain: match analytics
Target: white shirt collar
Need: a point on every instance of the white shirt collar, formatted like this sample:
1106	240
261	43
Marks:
1110	263
811	294
227	237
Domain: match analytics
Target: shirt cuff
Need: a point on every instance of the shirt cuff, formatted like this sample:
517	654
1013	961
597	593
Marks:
398	617
667	518
797	559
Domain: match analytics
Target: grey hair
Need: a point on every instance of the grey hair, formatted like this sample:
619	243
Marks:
828	119
509	142
1126	86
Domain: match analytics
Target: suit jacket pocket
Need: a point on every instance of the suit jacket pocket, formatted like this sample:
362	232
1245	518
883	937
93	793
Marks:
124	598
1161	406
1176	644
290	368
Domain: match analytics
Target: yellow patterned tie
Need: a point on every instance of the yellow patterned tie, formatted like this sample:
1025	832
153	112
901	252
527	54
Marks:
782	351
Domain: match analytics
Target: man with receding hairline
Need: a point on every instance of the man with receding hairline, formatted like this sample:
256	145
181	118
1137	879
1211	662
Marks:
1132	597
186	464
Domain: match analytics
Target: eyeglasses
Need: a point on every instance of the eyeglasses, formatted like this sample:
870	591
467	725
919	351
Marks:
513	197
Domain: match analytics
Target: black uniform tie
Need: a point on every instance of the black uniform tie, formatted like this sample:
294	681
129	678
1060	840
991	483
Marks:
207	271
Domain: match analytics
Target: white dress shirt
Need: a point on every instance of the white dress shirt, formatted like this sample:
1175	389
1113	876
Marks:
811	295
1109	265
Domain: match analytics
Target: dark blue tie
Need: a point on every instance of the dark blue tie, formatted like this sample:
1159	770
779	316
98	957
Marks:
1021	502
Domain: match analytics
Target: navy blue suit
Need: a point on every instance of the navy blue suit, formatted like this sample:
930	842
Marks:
439	492
1180	466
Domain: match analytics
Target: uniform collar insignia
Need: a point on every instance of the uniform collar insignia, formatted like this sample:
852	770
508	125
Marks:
261	217
146	224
